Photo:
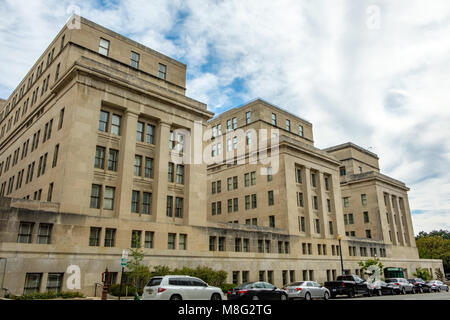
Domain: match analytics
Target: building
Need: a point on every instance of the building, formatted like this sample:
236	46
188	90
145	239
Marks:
90	148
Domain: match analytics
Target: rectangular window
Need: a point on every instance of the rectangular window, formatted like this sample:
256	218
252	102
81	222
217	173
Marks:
150	134
134	59
108	200
298	175
137	165
270	198
140	132
300	199
54	282
50	189
363	199
149	237
288	125
95	196
342	171
300	130
368	234
350	218
61	119
329	205
182	243
234	123
146	203
162	71
136	238
274	119
346	202
103	47
135	195
330	223
169	206
267	246
235	182
315	203
254	202
99	158
113	159
94	237
115	124
253	178
272	221
171	172
247	202
366	217
171	241
32	283
230	205
180	174
302	224
317	222
269	174
148	170
179	207
248	117
103	122
25	232
110	237
222	244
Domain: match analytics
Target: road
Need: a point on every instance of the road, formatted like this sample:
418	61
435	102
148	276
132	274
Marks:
421	296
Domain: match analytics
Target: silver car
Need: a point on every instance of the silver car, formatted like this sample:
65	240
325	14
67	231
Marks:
307	290
437	286
400	285
180	288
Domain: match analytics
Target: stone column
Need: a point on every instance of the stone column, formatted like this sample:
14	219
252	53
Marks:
309	217
126	163
161	171
323	209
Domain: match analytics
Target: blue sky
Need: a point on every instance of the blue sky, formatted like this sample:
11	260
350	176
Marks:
376	73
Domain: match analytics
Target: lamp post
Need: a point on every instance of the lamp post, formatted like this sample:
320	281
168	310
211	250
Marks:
340	253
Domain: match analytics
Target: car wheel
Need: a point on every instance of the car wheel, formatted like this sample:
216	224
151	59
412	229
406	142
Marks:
413	291
379	293
420	290
176	297
326	296
392	292
351	294
216	296
439	290
307	296
403	291
369	293
255	298
283	297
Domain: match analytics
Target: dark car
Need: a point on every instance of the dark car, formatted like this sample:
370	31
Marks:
349	285
420	286
381	288
257	291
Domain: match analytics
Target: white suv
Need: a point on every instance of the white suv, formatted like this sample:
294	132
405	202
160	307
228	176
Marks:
180	288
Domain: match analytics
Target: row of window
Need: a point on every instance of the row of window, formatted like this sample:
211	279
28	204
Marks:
349	219
33	283
244	245
363	200
299	178
302	225
266	277
104	48
363	251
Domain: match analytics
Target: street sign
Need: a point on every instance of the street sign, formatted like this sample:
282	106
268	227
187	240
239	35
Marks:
124	259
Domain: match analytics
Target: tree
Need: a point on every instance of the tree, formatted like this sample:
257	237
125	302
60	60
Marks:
422	273
439	274
139	273
434	245
371	266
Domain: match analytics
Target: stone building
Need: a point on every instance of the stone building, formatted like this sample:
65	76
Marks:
98	148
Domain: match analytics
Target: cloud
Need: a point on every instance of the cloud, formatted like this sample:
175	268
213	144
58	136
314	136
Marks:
374	73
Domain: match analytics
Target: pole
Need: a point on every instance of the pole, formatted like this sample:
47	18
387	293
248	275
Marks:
121	280
340	253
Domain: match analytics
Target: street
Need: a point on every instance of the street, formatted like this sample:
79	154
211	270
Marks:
421	296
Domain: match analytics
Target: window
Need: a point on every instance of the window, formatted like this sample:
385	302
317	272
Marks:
135	195
253	178
270	198
50	188
108	201
221	243
137	165
54	282
298	175
346	202
179	207
25	232
32	283
182	243
180	174
219	186
274	119
148	171
171	241
99	158
350	218
113	159
149	236
95	196
302	224
327	184
235	205
366	217
57	71
248	117
115	124
140	132
61	119
235	182
238	245
300	130
103	122
136	238
229	125
272	221
162	71
267	246
94	237
247	179
146	203
329	205
234	123
171	172
315	203
313	180
247	202
342	171
288	125
317	223
368	234
150	134
134	60
269	174
363	199
330	223
110	237
103	47
169	206
254	202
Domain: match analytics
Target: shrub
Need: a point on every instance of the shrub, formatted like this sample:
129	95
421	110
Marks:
227	287
46	296
128	291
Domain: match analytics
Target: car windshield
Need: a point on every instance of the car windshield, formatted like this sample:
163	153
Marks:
154	282
391	280
245	285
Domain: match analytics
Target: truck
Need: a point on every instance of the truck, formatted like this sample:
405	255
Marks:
349	285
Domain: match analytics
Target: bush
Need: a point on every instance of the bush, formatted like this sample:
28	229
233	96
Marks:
227	287
46	296
128	291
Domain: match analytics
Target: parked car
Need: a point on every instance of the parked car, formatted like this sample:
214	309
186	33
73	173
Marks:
380	288
349	285
180	288
307	290
420	286
257	291
401	285
437	286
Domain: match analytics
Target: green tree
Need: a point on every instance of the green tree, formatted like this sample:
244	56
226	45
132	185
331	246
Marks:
422	273
365	265
139	273
434	247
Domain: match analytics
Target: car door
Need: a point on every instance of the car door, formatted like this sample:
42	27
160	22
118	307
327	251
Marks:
317	290
270	292
199	290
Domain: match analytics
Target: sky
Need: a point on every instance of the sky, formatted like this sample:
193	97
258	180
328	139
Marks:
376	73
